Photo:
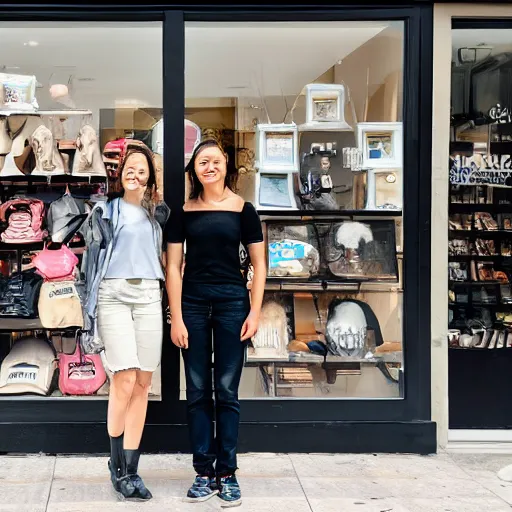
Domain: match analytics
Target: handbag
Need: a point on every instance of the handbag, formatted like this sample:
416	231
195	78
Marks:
80	374
55	263
19	294
60	306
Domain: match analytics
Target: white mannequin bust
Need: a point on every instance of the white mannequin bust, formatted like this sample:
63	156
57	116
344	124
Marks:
88	159
15	132
49	161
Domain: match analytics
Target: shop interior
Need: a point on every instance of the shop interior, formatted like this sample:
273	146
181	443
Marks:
480	229
311	116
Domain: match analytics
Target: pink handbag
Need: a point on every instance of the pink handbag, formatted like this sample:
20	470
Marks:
55	263
80	374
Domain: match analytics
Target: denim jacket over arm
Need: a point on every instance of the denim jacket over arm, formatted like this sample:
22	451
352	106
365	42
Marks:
100	231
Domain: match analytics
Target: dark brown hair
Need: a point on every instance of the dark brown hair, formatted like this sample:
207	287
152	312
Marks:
196	187
150	198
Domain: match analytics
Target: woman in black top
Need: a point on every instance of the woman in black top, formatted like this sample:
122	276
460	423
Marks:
212	298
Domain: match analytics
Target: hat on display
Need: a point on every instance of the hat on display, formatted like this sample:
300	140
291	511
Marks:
28	368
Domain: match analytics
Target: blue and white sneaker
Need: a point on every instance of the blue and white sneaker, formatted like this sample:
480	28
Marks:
229	491
202	489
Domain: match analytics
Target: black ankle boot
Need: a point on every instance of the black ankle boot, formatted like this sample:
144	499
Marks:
131	485
116	462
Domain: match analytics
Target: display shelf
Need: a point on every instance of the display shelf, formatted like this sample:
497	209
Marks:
306	358
491	305
477	233
477	207
474	349
367	287
469	257
31	246
307	214
293	283
65	179
19	324
61	113
476	283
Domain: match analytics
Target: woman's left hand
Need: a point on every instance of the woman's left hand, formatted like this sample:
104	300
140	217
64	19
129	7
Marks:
250	326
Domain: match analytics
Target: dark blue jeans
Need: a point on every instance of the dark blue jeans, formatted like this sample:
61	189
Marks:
214	312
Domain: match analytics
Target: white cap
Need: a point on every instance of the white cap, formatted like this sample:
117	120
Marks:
28	368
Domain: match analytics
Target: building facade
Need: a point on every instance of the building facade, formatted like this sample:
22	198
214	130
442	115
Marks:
327	115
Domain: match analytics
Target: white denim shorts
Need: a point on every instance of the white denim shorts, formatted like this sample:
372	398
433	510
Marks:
130	323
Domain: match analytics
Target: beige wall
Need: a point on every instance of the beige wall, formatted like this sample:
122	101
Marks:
373	75
443	14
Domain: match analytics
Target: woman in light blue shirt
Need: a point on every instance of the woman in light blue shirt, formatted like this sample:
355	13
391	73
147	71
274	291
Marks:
127	288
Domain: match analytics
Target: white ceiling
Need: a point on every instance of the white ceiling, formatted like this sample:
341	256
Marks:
499	39
123	61
266	59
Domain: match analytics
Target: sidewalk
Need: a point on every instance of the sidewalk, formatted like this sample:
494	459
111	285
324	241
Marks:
270	483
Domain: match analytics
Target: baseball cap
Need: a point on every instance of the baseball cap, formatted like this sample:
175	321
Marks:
28	368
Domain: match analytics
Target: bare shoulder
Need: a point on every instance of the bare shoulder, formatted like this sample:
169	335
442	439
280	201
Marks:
190	204
238	202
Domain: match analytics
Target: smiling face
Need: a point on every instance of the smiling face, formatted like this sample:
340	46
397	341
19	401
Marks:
210	166
135	173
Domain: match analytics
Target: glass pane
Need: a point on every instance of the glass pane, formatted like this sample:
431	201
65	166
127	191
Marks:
72	96
480	209
310	114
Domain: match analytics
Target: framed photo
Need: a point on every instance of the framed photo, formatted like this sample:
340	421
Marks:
325	108
277	147
381	145
274	191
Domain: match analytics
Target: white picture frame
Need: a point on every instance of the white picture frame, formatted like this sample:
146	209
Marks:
277	148
275	191
381	145
325	108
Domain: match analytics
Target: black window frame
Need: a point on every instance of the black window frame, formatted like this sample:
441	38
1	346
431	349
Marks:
417	120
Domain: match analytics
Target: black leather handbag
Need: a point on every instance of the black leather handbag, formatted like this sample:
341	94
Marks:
19	294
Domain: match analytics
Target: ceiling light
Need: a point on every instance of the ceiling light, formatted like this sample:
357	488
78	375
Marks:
391	178
31	43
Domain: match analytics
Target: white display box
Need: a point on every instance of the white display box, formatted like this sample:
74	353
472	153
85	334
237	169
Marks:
381	145
277	148
274	191
325	108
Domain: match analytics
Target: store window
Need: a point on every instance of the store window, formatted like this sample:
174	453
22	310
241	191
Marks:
311	116
72	95
480	227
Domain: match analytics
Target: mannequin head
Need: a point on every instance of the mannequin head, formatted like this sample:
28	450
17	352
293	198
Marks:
207	167
137	175
325	163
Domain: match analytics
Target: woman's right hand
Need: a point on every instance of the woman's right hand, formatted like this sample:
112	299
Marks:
179	334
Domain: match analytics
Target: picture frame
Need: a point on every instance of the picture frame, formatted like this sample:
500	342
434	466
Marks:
325	108
381	145
277	147
275	191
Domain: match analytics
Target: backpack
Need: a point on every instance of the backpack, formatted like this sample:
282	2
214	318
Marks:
23	219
